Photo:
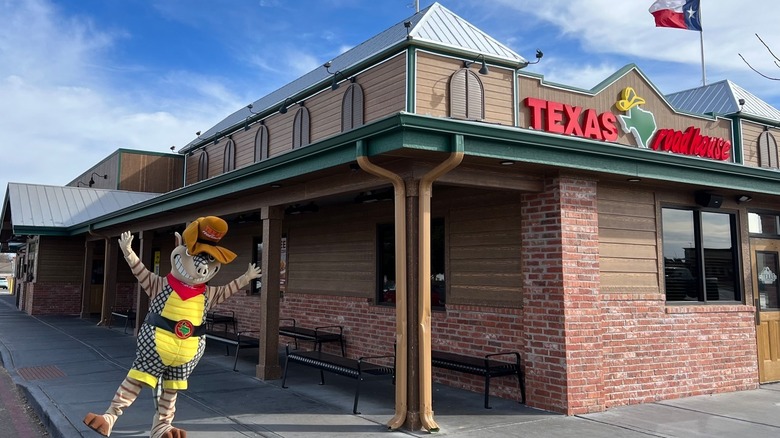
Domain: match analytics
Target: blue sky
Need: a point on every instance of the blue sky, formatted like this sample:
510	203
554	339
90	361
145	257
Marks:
82	78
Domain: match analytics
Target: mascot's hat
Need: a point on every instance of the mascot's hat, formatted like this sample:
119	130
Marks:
203	234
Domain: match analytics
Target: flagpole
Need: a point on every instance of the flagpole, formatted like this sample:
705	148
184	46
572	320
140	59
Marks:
701	39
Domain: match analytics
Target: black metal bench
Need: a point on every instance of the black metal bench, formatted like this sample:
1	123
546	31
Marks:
225	318
127	314
239	340
344	366
485	366
317	335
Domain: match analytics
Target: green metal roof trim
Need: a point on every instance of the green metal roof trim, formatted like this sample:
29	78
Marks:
415	132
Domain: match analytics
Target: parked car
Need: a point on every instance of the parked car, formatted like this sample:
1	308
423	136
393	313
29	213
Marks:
3	283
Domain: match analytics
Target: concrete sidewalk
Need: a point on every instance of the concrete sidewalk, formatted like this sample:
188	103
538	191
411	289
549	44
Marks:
68	367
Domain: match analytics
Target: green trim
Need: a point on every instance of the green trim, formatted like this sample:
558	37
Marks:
736	139
404	131
411	78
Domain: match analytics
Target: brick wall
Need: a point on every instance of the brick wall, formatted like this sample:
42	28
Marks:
563	336
125	296
653	352
54	298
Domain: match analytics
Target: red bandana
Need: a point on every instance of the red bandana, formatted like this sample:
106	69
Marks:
185	291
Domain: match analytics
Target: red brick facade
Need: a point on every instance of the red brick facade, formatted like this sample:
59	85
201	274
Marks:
53	298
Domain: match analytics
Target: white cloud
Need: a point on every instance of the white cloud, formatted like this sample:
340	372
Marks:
63	113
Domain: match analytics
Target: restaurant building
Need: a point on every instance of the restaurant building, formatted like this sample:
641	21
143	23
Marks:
424	190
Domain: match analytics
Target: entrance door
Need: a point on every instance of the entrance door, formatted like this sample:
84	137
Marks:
766	267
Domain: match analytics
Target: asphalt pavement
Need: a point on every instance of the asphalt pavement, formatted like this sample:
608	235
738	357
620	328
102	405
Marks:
66	367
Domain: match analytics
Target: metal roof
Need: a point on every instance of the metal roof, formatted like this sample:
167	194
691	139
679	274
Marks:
42	206
722	98
435	25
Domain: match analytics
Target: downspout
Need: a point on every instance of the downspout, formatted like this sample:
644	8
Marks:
400	281
424	260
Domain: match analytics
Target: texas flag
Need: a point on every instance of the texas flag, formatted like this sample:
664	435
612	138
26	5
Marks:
680	14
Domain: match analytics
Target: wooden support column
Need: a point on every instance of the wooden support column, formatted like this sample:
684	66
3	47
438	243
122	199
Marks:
86	280
412	364
145	240
109	279
268	362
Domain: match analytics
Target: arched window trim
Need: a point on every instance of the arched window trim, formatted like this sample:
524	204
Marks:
301	128
467	95
229	162
767	151
261	143
203	165
352	108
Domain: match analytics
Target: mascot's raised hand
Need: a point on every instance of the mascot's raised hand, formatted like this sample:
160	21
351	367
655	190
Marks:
171	341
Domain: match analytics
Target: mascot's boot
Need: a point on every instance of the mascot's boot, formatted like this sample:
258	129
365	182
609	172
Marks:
166	407
124	397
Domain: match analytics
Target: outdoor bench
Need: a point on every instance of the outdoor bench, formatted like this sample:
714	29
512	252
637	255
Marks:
315	335
239	340
344	366
485	366
225	318
127	314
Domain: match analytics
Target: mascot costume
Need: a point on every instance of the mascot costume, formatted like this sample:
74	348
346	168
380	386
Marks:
171	341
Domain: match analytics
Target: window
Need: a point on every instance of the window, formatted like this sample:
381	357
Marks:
352	108
767	150
261	143
203	166
301	127
386	263
466	96
700	255
230	156
765	224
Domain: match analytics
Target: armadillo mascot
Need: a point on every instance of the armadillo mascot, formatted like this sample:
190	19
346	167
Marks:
171	341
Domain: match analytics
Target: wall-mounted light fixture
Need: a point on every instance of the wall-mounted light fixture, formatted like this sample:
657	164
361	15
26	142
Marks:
283	106
335	84
246	121
81	183
484	70
507	163
539	56
197	134
92	178
744	198
311	207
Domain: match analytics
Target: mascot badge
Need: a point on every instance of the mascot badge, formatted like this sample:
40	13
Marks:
171	341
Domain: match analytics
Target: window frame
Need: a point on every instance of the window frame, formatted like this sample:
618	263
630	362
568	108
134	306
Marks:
229	156
301	135
700	256
203	165
466	86
261	143
352	108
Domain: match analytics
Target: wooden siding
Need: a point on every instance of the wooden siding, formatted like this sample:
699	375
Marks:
750	133
106	167
385	93
431	93
605	100
333	251
150	173
484	247
627	240
60	260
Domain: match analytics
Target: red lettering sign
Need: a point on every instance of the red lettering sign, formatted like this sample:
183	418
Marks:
560	118
691	142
